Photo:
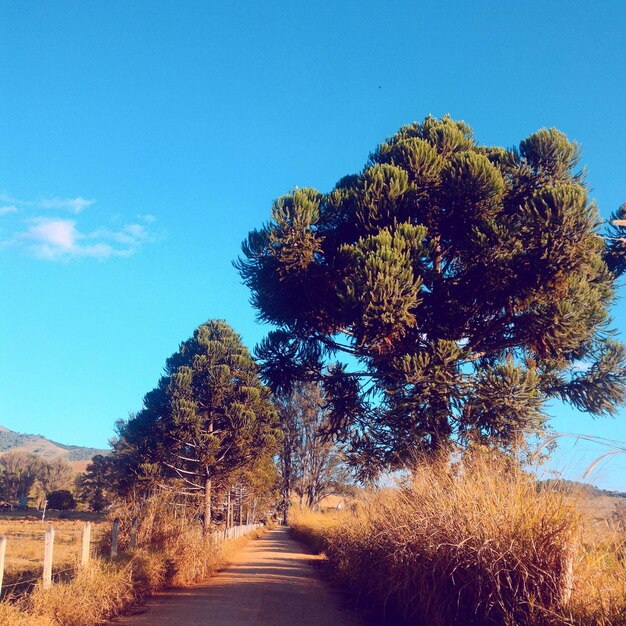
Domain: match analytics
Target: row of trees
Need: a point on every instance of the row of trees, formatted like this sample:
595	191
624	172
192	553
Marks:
23	474
442	295
212	432
209	431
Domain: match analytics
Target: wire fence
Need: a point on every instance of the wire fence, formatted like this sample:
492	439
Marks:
28	551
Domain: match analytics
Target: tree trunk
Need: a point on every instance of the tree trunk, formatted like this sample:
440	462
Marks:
207	506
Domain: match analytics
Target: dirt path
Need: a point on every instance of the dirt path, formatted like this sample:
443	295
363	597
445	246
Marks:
271	582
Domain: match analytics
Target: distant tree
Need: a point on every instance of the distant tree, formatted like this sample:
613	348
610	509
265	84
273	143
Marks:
464	285
61	500
209	416
20	471
99	484
55	475
311	465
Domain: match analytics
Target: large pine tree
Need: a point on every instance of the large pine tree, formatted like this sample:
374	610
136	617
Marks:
466	285
208	417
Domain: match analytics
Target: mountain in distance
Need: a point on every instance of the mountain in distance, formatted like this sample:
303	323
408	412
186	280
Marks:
77	456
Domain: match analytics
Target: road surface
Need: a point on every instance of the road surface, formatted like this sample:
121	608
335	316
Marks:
272	581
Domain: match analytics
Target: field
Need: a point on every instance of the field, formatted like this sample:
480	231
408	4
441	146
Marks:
25	546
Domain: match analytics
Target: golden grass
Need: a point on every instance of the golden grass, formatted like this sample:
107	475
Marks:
25	548
474	543
172	550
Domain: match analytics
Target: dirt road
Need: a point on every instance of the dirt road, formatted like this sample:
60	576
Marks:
272	581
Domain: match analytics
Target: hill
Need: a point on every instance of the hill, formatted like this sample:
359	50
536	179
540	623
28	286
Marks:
77	456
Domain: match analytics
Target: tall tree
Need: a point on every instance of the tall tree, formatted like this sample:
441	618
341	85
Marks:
464	285
312	466
209	416
19	472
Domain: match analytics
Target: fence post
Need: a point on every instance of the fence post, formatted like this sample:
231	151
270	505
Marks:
84	552
114	537
133	533
3	548
47	557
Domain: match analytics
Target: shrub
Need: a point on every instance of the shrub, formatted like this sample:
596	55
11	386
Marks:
61	500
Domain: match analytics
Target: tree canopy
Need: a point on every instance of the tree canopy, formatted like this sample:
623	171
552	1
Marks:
209	416
445	292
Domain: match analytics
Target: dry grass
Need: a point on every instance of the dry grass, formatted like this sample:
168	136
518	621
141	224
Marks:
25	548
476	543
171	551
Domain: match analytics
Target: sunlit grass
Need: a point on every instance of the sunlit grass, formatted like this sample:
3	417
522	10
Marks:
475	543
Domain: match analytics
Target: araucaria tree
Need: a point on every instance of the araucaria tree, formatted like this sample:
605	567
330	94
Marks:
209	416
467	285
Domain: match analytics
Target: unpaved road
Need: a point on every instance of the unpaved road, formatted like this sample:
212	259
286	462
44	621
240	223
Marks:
272	581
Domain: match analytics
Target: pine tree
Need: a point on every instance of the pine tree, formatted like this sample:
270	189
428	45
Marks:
208	417
464	286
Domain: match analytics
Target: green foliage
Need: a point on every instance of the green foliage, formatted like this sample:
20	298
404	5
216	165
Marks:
98	485
61	500
20	472
465	286
209	417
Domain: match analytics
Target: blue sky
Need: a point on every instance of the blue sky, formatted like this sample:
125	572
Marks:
141	141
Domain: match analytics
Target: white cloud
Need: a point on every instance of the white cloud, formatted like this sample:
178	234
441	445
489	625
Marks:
60	239
73	205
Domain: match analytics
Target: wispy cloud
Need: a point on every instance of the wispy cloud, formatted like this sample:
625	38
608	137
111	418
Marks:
61	239
56	239
73	205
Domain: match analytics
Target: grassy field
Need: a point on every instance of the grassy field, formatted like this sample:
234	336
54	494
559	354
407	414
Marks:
25	546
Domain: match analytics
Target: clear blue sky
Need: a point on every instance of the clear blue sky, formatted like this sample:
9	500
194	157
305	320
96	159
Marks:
141	141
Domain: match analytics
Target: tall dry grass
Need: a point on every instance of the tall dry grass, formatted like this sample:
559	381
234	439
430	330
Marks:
172	551
476	542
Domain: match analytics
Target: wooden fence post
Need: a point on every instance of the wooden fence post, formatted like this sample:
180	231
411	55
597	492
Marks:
47	557
133	533
84	552
3	548
115	536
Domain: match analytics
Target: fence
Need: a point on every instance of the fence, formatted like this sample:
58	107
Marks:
218	537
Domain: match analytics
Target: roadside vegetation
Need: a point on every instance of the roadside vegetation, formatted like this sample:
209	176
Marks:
198	458
473	542
24	552
173	550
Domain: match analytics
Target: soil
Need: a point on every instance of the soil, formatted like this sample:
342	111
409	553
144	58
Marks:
272	581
